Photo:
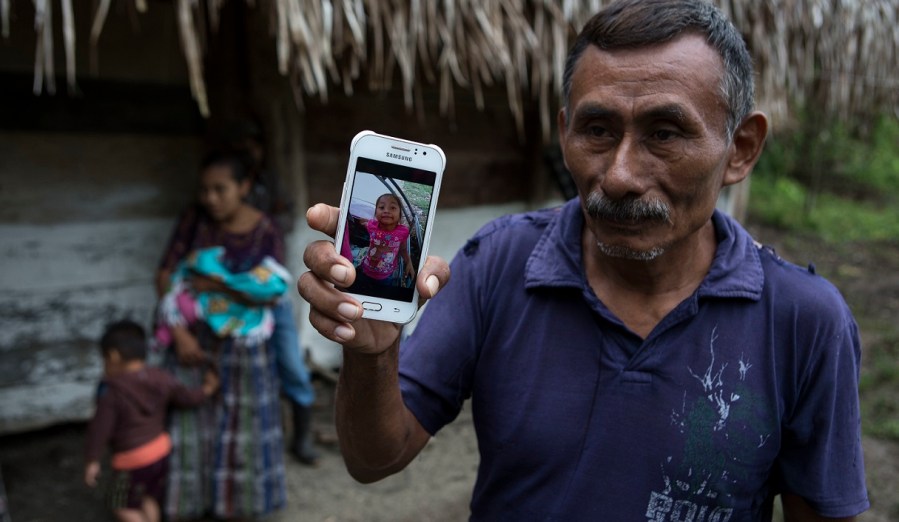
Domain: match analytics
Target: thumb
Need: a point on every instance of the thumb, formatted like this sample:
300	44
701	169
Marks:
434	275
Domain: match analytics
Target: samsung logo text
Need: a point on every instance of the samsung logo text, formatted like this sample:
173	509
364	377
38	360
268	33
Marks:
397	156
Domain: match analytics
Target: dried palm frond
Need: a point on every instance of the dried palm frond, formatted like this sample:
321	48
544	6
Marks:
838	56
43	54
4	18
68	36
190	45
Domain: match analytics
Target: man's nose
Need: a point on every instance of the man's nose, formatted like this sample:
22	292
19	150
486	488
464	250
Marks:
623	176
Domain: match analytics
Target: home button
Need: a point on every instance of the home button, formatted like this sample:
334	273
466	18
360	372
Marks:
371	307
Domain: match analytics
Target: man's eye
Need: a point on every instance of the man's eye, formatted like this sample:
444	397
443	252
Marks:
598	131
664	135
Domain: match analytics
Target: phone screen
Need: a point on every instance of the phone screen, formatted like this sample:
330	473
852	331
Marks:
389	206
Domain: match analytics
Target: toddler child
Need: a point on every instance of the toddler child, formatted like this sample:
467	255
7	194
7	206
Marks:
132	402
387	243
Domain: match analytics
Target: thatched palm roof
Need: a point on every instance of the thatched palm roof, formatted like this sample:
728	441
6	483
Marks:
841	56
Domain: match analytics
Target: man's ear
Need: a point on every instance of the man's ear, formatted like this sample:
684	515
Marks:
747	146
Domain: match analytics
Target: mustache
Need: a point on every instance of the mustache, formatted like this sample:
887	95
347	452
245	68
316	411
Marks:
629	210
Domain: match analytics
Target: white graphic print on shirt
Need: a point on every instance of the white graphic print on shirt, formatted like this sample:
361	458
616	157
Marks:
719	431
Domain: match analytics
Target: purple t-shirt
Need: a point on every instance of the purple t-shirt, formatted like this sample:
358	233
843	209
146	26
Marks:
747	389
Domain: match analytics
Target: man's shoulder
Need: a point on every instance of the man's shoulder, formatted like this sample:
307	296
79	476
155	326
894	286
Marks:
799	286
523	228
782	280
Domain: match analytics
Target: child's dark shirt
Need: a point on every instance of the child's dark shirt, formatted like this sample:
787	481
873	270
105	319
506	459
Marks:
132	407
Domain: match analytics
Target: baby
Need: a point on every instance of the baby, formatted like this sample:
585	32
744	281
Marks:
232	305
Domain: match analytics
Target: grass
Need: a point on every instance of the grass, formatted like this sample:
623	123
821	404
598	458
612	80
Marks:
879	387
781	202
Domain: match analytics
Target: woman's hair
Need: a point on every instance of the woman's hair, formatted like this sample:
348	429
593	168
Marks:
126	337
634	24
237	164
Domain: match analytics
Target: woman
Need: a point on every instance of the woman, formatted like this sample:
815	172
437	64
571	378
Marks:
227	460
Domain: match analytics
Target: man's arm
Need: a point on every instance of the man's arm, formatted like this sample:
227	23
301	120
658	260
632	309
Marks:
378	435
796	509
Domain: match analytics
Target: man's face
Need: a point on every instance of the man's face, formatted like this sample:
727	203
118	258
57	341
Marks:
646	144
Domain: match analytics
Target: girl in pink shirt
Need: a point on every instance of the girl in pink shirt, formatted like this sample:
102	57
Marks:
387	243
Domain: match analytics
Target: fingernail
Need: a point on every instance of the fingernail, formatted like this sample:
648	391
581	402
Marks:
344	333
339	273
348	310
433	284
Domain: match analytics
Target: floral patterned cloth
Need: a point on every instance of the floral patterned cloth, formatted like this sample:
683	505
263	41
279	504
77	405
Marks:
382	258
225	315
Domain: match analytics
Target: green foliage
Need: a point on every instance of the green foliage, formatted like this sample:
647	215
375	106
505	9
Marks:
872	159
879	386
778	201
419	196
837	219
840	185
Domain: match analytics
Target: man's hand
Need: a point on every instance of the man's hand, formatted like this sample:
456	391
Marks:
335	314
378	434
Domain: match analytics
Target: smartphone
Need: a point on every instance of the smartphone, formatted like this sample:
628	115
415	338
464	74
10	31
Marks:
386	215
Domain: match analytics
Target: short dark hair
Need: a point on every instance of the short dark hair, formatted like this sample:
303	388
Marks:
390	195
238	163
126	337
632	24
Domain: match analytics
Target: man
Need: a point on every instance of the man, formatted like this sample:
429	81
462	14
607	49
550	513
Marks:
633	355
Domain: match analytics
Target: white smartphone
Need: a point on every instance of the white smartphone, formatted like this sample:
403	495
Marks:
386	215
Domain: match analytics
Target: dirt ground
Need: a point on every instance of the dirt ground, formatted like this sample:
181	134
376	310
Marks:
42	473
42	470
